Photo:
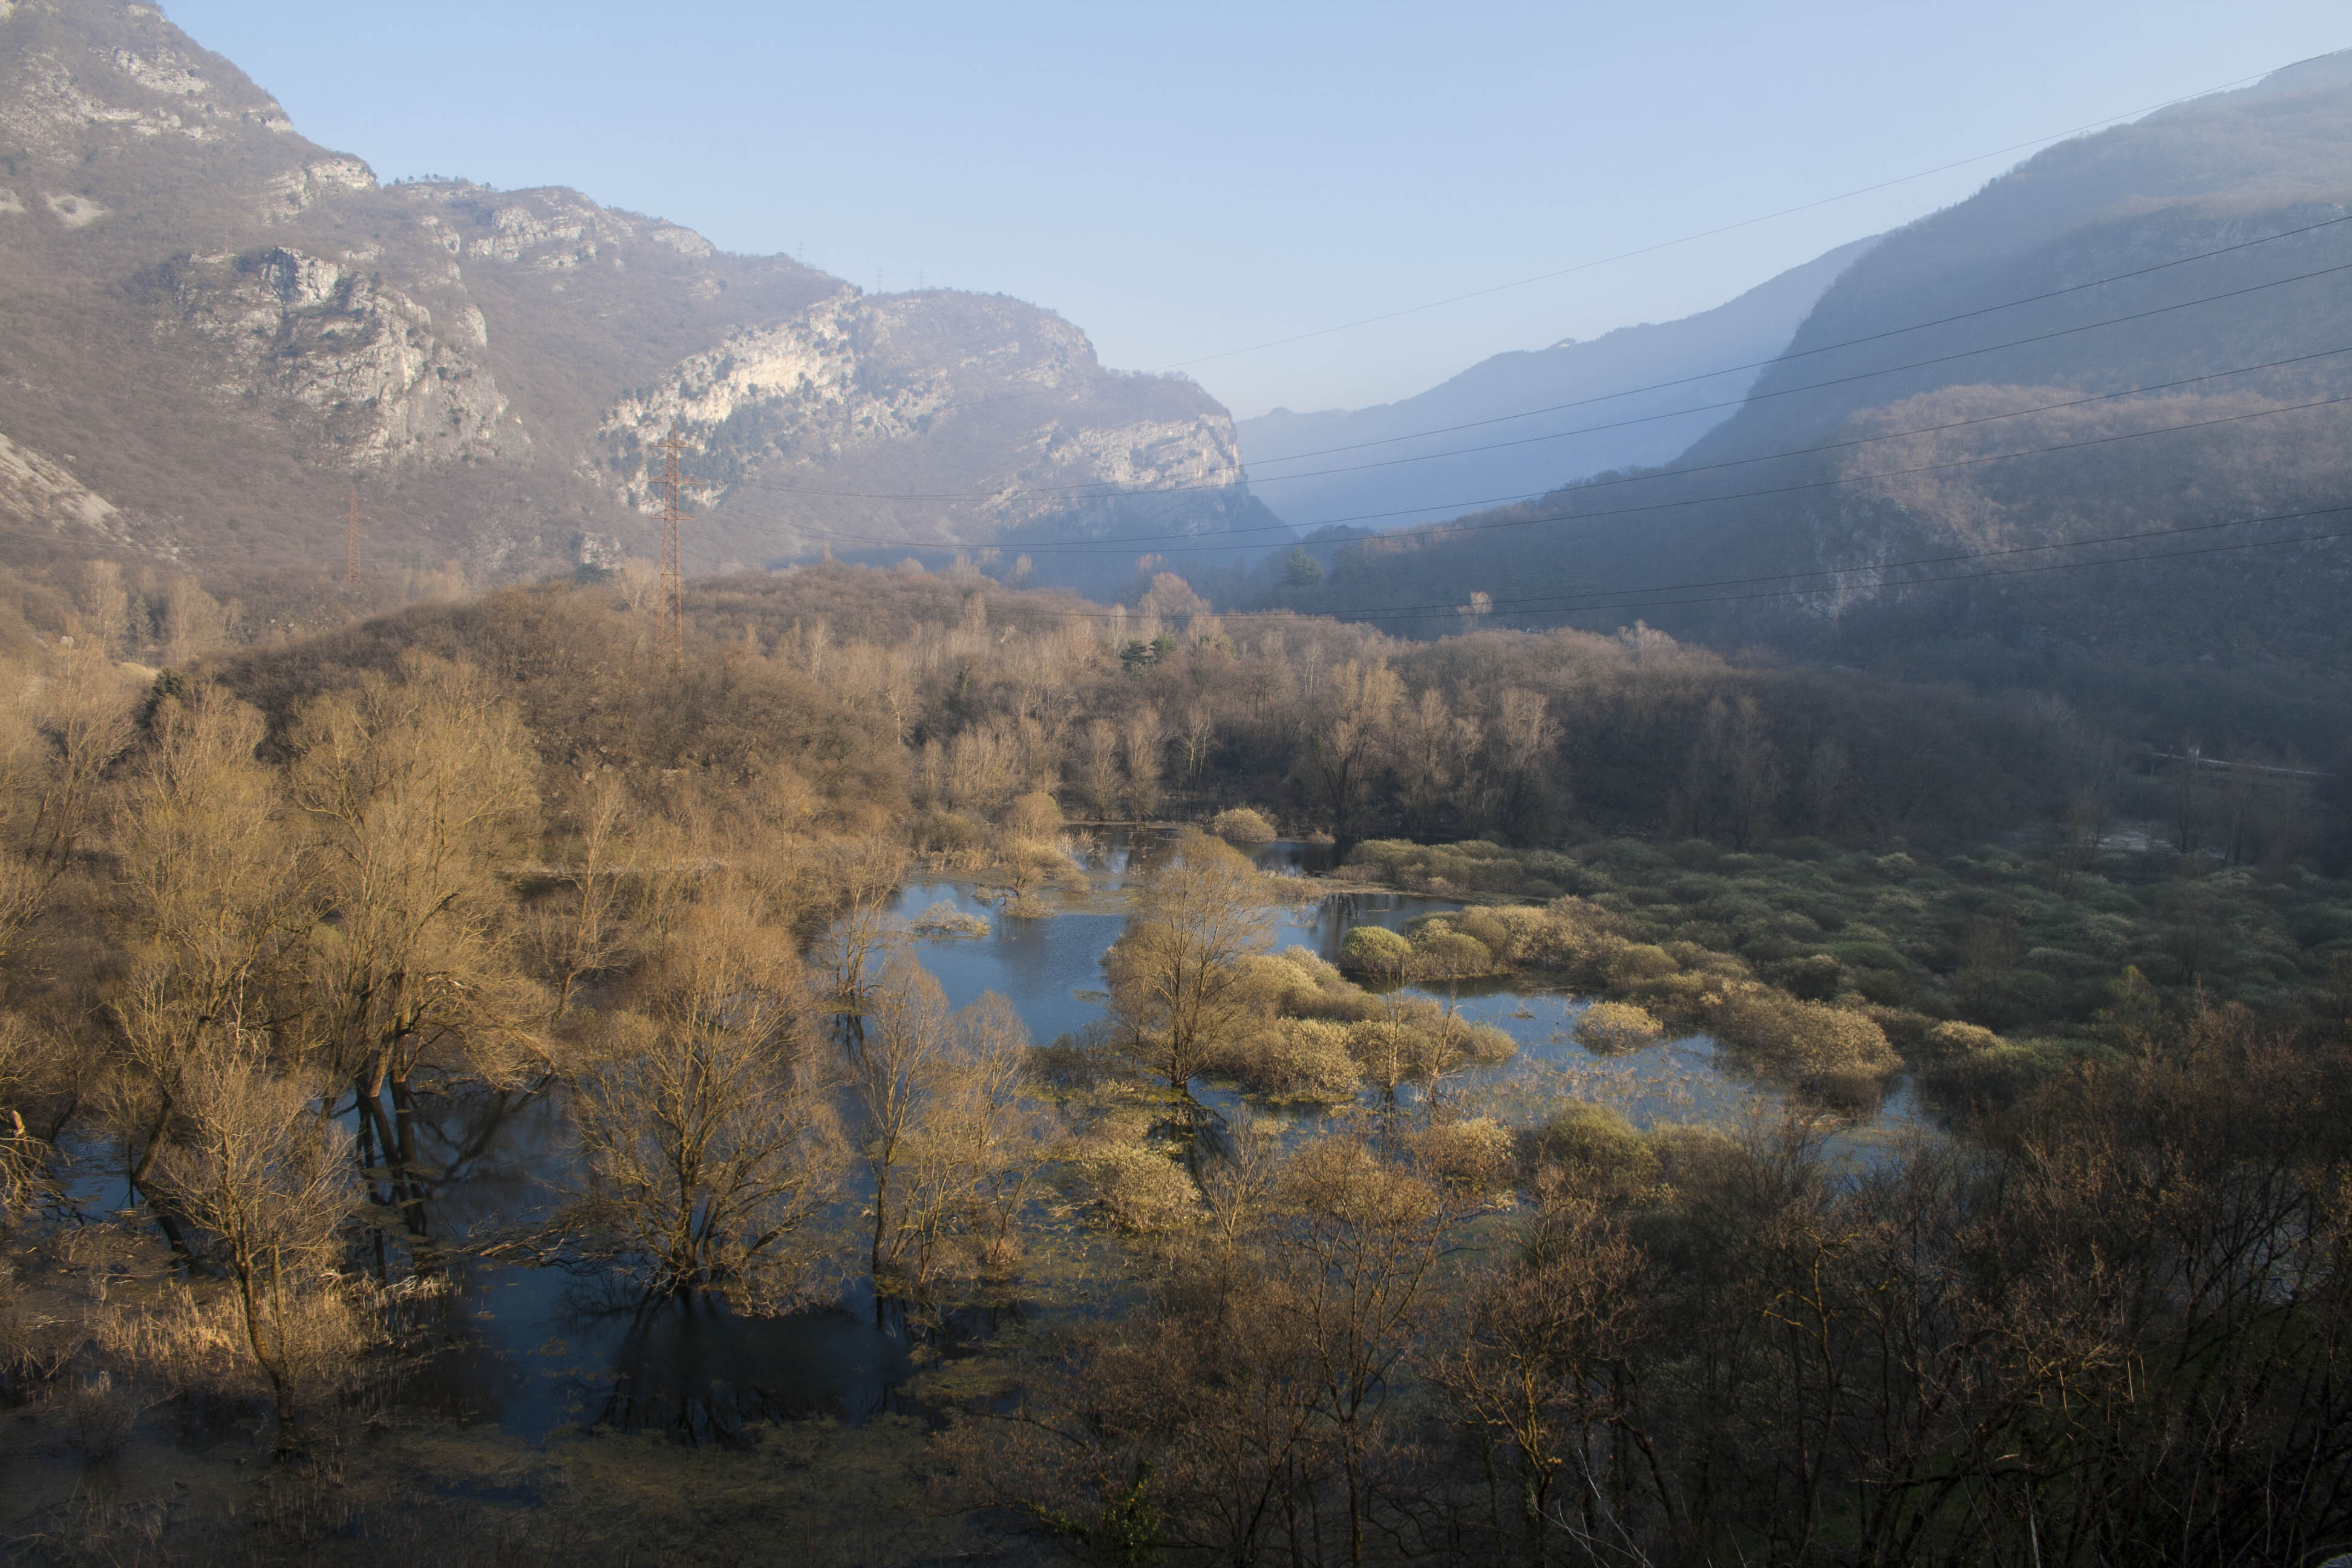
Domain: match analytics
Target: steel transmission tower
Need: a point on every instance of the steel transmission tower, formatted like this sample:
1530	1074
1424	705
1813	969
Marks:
673	582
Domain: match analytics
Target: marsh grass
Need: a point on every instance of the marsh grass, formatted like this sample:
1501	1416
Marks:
2017	941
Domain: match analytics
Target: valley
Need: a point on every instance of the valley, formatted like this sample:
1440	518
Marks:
654	907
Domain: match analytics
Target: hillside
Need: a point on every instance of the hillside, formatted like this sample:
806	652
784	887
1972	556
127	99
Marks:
2131	333
1345	465
212	329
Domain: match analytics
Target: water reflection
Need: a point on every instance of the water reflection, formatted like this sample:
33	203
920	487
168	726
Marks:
536	1350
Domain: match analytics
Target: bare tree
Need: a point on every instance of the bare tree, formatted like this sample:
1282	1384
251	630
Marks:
105	606
1541	1371
862	878
1356	1259
1097	768
80	711
896	1068
1734	777
1347	740
580	930
708	1141
1198	736
1140	743
1177	988
210	909
968	1165
266	1181
415	789
1433	750
1523	742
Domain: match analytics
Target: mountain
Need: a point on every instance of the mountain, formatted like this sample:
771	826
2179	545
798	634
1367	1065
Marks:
2126	347
1376	466
212	331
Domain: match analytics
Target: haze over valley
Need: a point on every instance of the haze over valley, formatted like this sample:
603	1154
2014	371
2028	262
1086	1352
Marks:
1691	901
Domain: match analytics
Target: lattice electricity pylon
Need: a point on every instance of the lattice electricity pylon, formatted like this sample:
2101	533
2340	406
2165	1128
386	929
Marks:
673	582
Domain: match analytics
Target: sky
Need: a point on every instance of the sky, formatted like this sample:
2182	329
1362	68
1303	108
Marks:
1193	184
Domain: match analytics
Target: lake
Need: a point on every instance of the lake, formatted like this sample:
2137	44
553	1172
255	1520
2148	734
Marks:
537	1349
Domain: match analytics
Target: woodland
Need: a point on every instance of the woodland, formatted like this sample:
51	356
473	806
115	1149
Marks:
1247	1268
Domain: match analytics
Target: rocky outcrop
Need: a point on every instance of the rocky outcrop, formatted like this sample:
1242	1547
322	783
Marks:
801	410
298	190
232	324
43	494
66	90
332	337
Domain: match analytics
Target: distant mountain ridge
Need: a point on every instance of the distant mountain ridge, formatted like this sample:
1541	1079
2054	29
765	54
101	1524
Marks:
212	329
1374	465
2139	333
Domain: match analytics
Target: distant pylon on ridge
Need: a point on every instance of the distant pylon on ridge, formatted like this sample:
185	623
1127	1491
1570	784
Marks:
673	582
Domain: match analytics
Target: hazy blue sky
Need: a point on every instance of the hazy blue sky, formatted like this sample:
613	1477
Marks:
1184	180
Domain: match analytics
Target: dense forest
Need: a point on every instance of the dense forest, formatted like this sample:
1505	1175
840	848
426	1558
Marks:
504	939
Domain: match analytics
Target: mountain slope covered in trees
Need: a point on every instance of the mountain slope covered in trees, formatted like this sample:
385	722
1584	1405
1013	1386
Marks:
2129	346
1637	395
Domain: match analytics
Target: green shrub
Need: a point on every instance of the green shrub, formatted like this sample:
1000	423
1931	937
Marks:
1816	977
1375	951
1607	1027
1998	1076
1388	1053
1480	1043
1858	955
1594	1144
1958	1039
1242	825
1133	1188
1905	1030
1295	1060
1034	815
1808	1038
1472	1155
1888	987
1452	955
1693	1158
938	832
944	921
1637	963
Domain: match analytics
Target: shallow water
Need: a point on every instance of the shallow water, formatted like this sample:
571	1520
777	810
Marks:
1051	970
538	1350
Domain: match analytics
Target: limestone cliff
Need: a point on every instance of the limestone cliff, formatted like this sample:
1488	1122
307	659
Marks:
231	325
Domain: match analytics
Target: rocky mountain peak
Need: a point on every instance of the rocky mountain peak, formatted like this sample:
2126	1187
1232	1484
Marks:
231	323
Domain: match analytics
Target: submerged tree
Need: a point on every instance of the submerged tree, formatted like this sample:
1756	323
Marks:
265	1181
210	908
414	788
966	1167
896	1066
1177	983
708	1142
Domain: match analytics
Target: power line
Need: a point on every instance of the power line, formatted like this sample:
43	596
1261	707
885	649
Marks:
1982	577
1787	355
1444	530
1561	435
1729	227
1645	251
1447	530
1957	556
1601	599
